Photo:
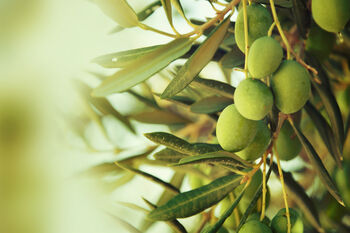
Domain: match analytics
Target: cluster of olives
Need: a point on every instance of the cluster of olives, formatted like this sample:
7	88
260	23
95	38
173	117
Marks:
241	127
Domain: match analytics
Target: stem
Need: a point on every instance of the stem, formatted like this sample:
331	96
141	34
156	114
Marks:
245	20
149	28
280	30
264	189
269	33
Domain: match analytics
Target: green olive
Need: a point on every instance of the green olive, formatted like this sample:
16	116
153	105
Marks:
253	99
259	22
233	131
254	226
331	15
291	86
279	222
287	144
264	57
319	42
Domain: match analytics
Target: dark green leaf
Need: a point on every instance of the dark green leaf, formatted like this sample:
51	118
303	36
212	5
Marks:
214	86
298	194
211	104
195	201
280	3
232	59
301	16
143	67
123	58
318	165
198	61
159	117
169	156
170	141
325	132
329	101
166	185
145	13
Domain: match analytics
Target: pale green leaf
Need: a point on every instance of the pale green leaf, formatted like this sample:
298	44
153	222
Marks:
214	86
120	11
197	61
159	117
211	104
143	67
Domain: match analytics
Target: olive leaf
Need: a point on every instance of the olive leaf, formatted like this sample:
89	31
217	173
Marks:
301	16
120	11
325	132
143	67
328	100
174	224
211	104
197	61
166	185
179	8
232	59
299	195
195	201
124	223
226	214
123	58
169	156
147	101
214	86
318	165
168	11
159	117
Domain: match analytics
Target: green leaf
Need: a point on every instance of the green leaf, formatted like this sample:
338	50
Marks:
221	157
120	11
214	86
227	214
148	10
166	185
197	61
328	100
318	165
232	59
133	206
169	156
147	101
195	201
281	3
325	132
180	145
179	8
347	127
299	195
174	224
301	16
143	67
159	117
168	11
123	58
125	224
211	104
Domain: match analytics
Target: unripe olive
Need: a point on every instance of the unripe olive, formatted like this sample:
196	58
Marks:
233	131
331	15
264	57
256	216
254	226
319	42
343	182
230	222
259	145
221	230
291	86
287	144
253	99
259	22
279	222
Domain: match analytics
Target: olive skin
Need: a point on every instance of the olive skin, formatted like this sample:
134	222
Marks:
253	99
233	131
320	42
254	226
279	222
331	15
287	144
259	145
259	22
291	86
264	57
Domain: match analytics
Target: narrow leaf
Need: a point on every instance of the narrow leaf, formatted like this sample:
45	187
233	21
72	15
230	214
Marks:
301	16
143	67
299	195
220	157
195	201
159	117
211	104
232	59
168	11
318	165
214	86
325	132
174	224
125	224
329	101
148	10
169	156
123	58
147	101
227	214
120	11
166	185
133	206
179	8
198	60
